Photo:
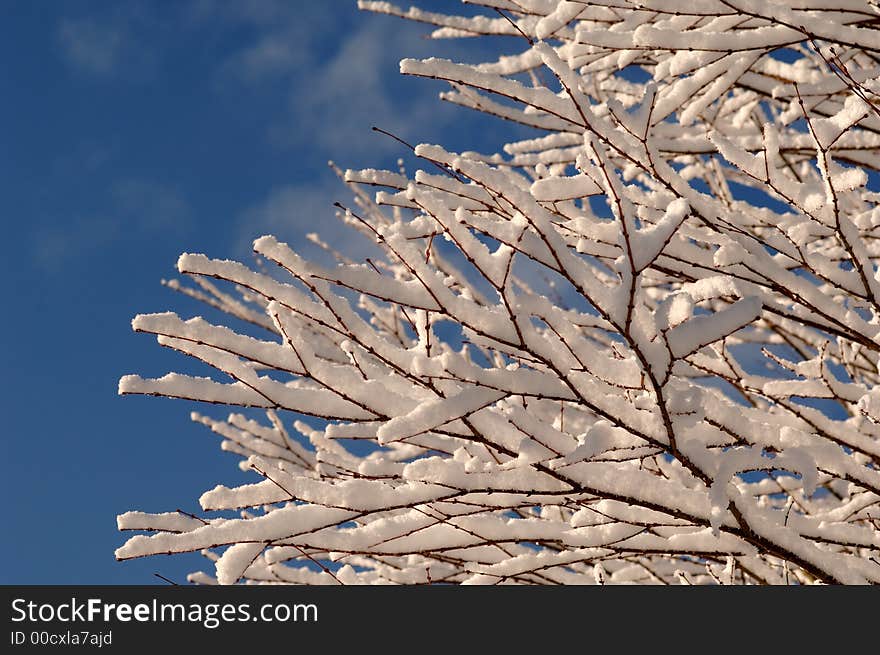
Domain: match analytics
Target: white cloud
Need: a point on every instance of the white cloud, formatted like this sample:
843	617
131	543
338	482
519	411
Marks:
335	103
284	36
91	46
272	56
290	212
129	38
335	94
340	71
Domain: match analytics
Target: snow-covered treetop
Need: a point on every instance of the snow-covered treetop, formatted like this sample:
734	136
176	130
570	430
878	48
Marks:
639	346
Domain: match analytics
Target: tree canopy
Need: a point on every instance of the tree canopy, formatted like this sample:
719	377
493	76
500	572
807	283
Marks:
640	346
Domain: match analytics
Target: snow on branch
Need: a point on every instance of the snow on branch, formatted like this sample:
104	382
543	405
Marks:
639	346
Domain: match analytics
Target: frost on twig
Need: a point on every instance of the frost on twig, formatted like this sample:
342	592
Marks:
697	403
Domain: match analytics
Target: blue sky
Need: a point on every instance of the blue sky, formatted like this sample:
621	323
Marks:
134	131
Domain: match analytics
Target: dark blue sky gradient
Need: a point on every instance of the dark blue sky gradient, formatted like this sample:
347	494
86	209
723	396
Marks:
135	131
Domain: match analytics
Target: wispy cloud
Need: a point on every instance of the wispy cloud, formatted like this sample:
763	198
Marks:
351	95
133	209
335	102
335	95
91	46
55	245
282	37
148	205
290	212
128	39
273	56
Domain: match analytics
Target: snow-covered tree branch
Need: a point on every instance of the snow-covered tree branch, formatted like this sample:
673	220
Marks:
641	346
